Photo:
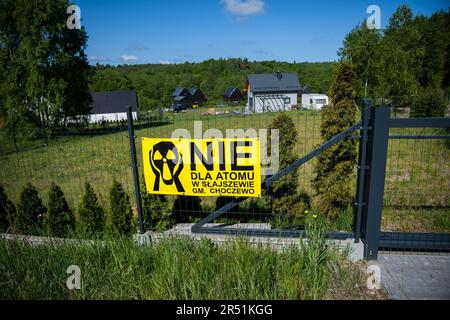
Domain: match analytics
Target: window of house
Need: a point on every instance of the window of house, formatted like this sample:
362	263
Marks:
321	101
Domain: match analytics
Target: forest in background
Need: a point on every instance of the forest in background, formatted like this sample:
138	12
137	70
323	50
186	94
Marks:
406	64
155	82
45	77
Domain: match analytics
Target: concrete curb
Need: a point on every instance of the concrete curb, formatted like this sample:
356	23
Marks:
356	250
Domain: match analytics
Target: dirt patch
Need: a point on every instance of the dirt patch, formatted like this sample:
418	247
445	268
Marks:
400	177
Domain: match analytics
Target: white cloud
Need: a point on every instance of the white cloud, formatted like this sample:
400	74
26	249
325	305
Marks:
98	59
165	62
244	8
128	58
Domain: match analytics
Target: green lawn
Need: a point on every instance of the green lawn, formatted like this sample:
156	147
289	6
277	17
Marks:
417	185
417	172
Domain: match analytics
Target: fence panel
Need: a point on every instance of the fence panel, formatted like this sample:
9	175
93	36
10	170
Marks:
256	214
97	154
416	214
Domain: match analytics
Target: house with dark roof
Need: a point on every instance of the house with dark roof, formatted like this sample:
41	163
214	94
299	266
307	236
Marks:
182	96
197	96
233	94
112	106
272	92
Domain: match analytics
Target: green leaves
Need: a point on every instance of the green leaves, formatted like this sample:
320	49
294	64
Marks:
361	48
154	83
44	67
430	103
397	63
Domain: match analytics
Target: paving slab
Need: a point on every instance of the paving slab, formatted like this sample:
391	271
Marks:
411	276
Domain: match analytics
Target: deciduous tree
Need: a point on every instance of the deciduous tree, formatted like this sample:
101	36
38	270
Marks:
44	69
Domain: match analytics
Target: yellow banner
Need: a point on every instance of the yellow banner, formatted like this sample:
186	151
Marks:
202	167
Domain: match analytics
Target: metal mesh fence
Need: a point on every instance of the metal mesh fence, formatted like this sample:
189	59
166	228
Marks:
70	158
252	213
416	196
417	185
100	154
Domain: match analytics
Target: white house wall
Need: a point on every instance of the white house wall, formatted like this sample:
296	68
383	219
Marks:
110	117
268	104
306	101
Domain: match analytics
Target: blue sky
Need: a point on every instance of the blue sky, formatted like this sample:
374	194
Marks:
175	31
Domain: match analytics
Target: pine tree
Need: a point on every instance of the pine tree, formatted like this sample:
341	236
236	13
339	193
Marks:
287	204
7	212
30	212
60	219
91	214
335	166
120	214
156	212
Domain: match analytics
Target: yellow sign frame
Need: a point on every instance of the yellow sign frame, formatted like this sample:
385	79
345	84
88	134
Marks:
202	167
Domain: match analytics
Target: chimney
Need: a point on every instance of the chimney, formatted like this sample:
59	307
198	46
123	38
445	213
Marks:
279	75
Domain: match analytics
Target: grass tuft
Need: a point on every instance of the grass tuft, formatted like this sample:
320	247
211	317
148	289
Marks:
177	268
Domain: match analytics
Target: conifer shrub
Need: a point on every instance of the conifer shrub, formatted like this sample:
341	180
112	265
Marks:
233	214
187	208
91	215
156	212
288	205
430	103
30	212
335	167
120	215
7	212
59	219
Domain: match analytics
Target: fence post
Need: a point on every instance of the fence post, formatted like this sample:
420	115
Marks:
137	188
362	166
377	145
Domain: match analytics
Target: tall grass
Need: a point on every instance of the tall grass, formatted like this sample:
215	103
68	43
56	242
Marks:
176	268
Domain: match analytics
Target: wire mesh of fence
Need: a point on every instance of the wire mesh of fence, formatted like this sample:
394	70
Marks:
70	157
251	213
416	194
